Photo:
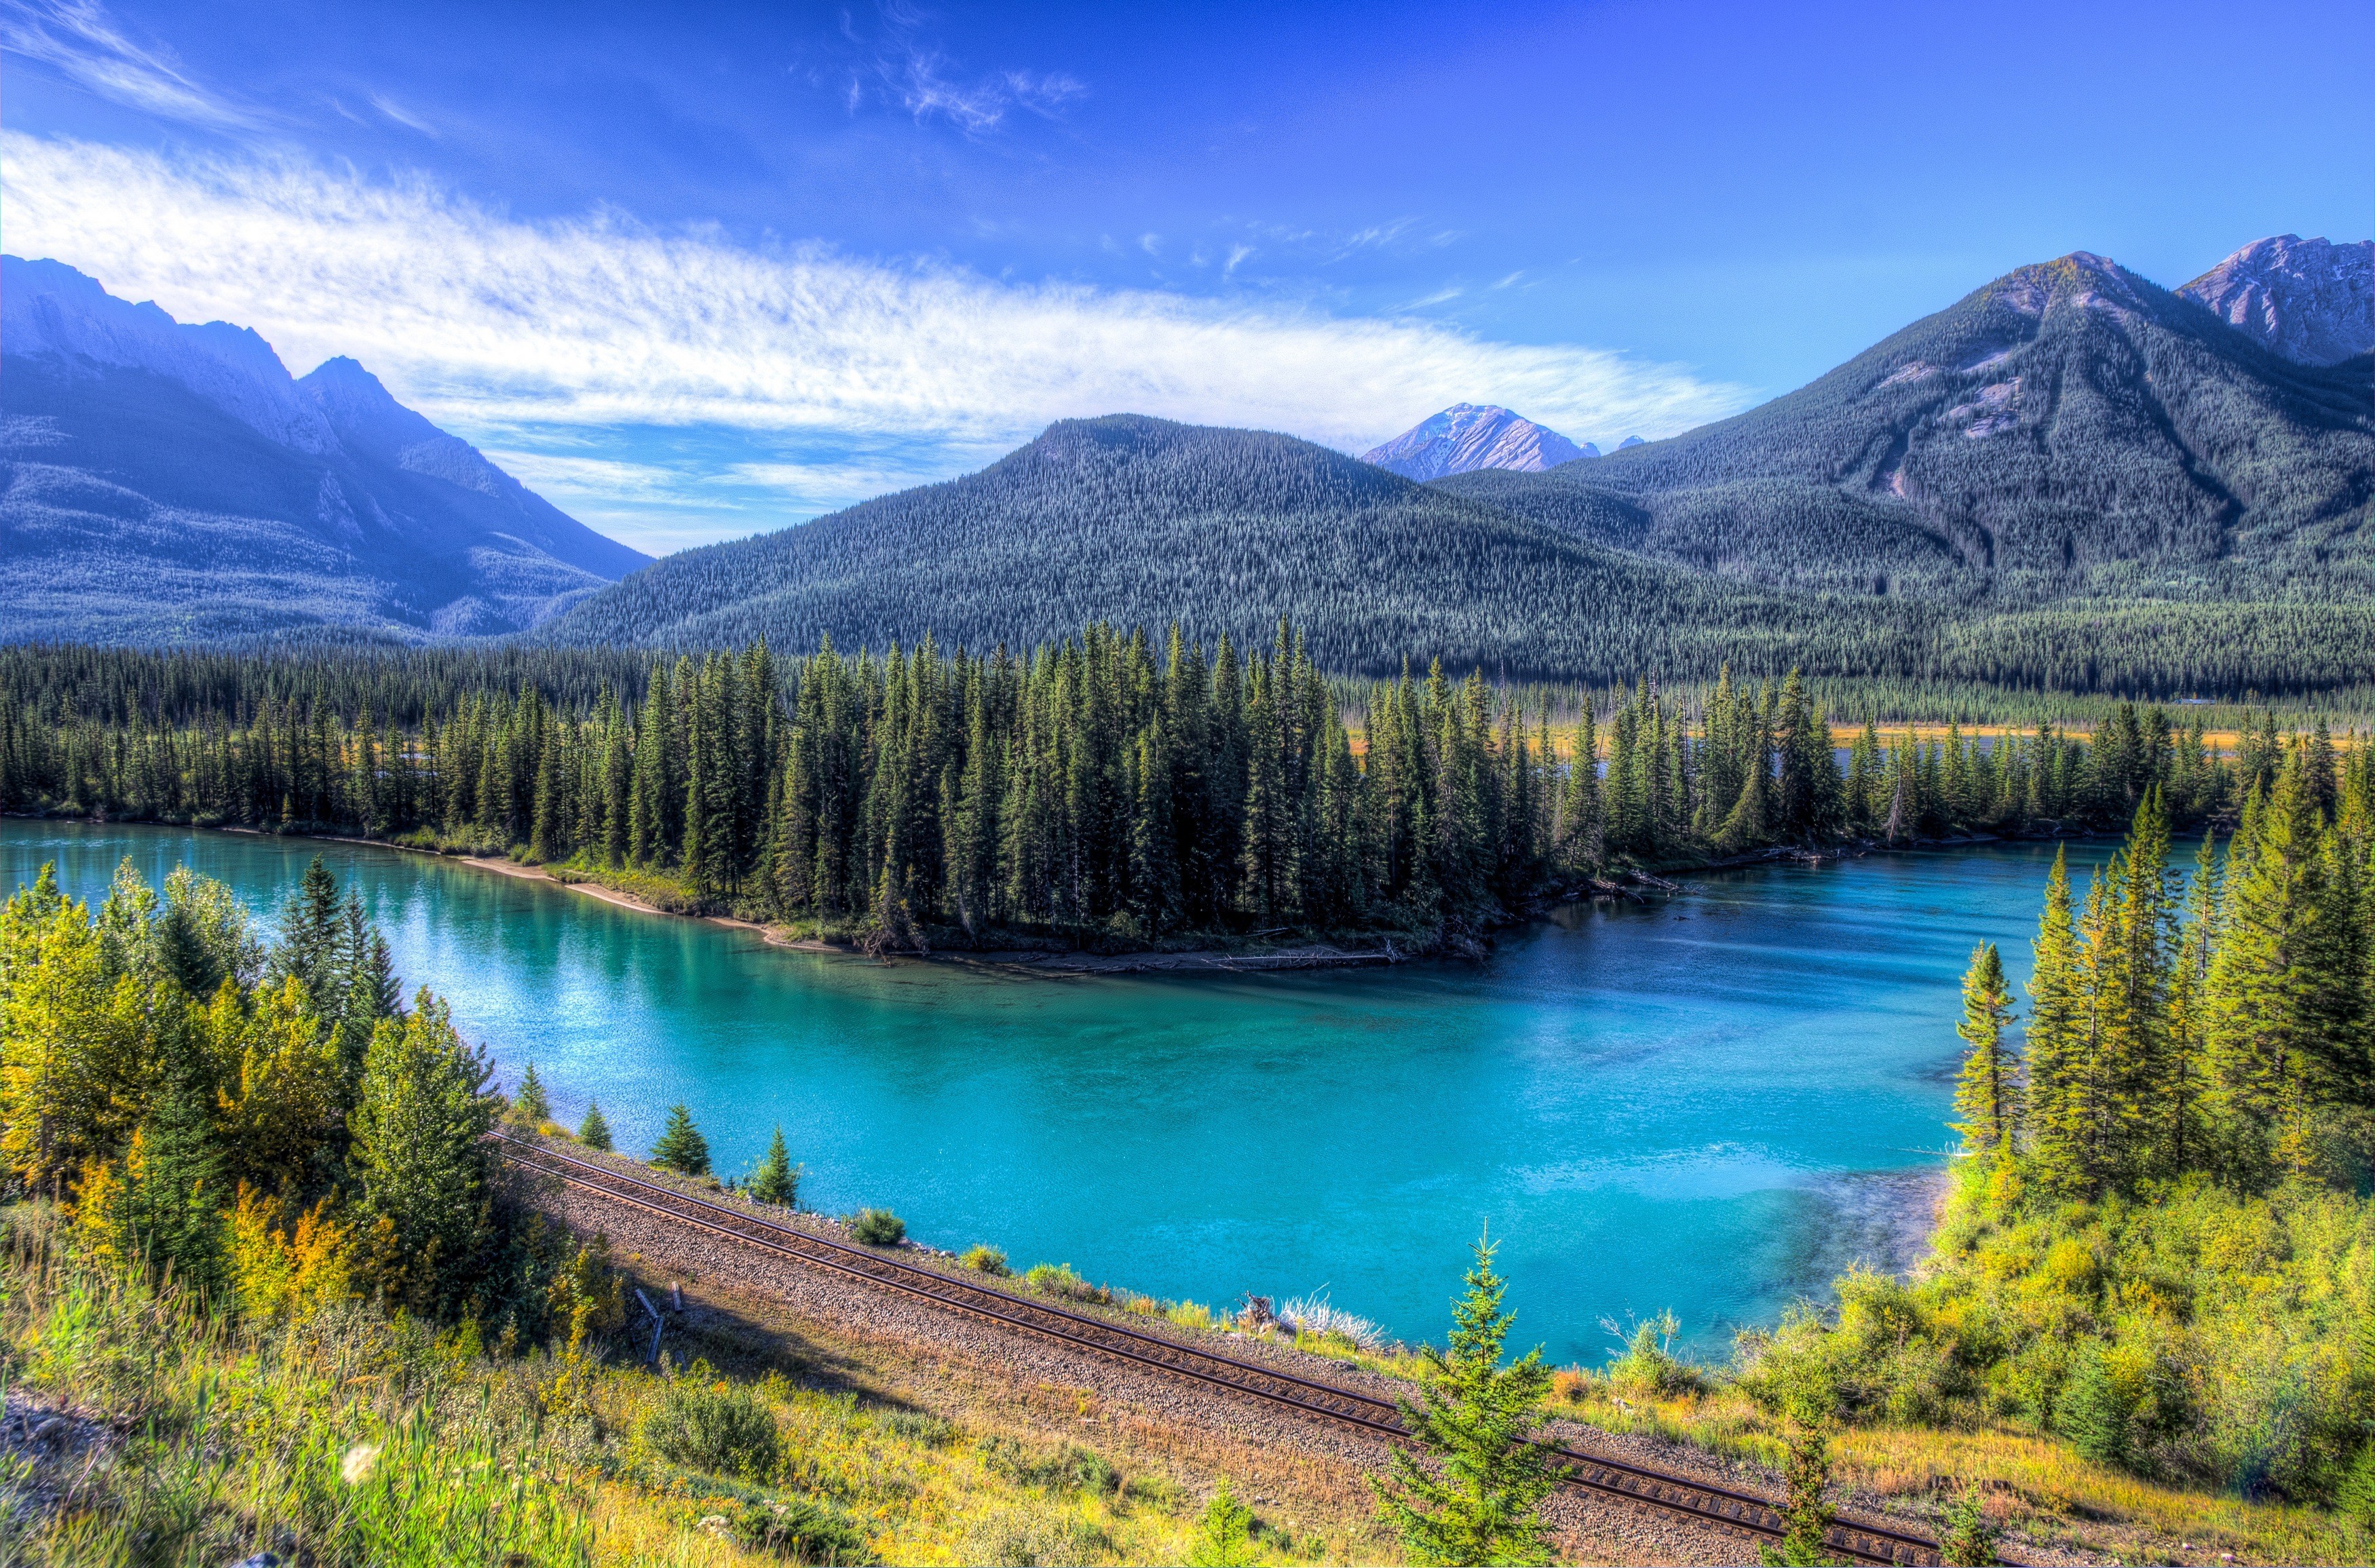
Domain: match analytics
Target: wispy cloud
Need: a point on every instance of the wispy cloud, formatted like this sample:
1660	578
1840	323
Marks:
489	322
558	474
79	39
928	85
401	115
924	92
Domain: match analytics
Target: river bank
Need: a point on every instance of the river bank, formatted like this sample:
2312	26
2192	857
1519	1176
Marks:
1665	1103
1055	956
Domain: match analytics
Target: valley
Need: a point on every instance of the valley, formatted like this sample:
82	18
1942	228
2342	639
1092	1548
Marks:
1848	926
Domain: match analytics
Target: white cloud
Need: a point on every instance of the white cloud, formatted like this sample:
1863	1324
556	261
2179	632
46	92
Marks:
555	474
77	38
401	115
487	321
824	487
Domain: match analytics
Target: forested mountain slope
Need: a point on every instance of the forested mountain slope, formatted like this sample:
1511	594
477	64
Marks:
1140	522
2069	430
165	482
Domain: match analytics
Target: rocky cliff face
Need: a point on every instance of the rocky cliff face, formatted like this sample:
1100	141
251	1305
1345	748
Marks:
1469	436
2309	299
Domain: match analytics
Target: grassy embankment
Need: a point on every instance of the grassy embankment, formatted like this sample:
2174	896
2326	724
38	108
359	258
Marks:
146	1429
2155	1378
2262	1297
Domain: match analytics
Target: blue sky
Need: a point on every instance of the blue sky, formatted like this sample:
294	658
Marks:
696	271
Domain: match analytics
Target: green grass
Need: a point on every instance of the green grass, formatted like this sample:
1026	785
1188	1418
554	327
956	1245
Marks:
197	1437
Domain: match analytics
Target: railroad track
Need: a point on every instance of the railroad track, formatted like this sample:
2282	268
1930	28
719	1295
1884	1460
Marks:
1698	1501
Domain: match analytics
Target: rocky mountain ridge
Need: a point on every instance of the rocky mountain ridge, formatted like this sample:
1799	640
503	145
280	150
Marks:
2068	429
162	480
2311	301
1469	436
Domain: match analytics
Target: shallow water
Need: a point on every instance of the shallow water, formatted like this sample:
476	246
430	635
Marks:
1712	1104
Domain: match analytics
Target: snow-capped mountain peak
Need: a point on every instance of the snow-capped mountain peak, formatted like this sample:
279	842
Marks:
1469	436
48	308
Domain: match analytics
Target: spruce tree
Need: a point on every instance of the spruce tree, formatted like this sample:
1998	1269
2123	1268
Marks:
309	933
418	1160
776	1180
594	1132
531	1107
680	1146
2054	1038
1479	1499
1987	1096
167	1211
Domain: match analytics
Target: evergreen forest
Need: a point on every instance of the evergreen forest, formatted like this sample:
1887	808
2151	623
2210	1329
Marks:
2159	1243
1101	789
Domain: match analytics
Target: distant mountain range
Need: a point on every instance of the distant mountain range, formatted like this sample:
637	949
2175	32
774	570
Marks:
1469	436
1142	521
2069	430
2070	477
168	482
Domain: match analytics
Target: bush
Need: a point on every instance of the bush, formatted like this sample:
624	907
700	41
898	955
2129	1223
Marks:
1189	1315
800	1530
1316	1316
1058	1279
1649	1364
1069	1468
986	1261
878	1228
1033	1534
713	1426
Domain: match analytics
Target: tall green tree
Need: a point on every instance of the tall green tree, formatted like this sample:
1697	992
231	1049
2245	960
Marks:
776	1180
1476	1496
680	1146
419	1162
1986	1094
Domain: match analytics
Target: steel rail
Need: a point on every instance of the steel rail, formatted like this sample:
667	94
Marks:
1698	1501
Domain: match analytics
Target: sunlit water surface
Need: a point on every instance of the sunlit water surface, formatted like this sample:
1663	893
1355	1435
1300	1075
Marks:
1712	1104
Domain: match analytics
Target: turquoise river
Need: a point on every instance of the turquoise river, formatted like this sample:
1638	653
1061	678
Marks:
1711	1103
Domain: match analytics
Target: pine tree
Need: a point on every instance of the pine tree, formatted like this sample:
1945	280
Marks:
2054	1054
2261	1014
166	1210
1474	1418
1987	1095
594	1132
776	1180
309	932
531	1108
1224	1537
419	1162
2181	1135
681	1146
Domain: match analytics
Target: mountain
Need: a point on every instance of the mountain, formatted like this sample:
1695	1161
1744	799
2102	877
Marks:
1469	436
2309	299
2069	430
1142	521
163	481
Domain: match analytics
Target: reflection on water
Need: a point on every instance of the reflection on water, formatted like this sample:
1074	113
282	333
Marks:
1711	1103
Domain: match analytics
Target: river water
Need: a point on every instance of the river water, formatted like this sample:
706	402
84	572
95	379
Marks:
1712	1104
